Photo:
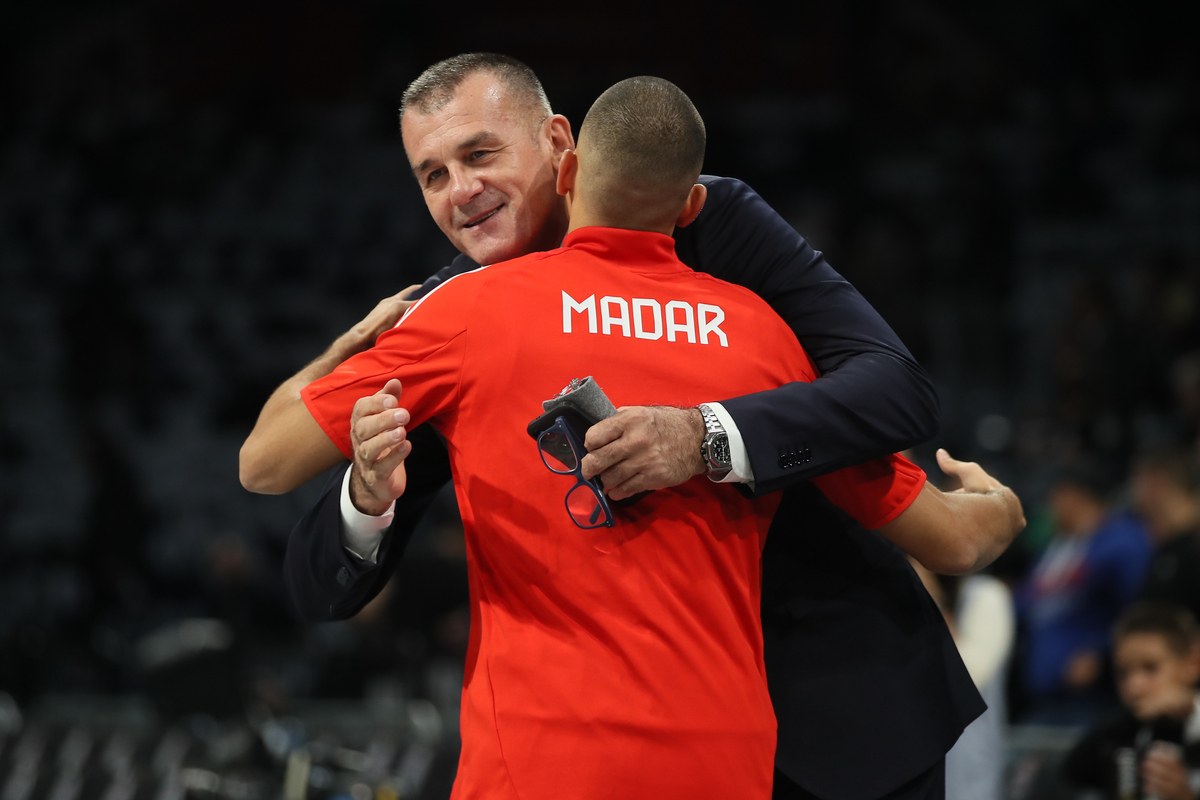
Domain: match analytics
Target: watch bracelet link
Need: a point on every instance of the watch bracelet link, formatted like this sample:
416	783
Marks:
712	423
713	428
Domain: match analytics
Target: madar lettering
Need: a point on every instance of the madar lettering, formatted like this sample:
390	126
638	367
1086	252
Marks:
645	318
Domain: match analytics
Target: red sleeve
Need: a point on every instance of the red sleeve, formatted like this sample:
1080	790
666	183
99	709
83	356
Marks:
424	350
876	492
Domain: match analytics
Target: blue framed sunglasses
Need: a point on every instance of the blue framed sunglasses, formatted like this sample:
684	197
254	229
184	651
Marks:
562	452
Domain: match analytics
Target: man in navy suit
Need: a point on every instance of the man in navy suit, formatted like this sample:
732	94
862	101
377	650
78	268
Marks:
868	688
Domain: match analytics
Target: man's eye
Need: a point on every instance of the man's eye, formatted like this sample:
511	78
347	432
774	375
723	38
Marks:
433	176
478	154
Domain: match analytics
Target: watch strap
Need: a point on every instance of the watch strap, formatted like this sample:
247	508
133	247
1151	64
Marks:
712	423
713	431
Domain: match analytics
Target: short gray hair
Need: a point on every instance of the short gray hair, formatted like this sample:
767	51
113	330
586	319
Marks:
437	85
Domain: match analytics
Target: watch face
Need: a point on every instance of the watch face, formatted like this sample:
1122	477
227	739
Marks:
718	450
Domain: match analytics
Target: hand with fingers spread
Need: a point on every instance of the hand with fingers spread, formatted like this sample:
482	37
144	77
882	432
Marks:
380	441
644	447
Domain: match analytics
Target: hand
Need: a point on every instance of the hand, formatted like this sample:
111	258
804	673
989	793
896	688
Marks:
380	443
953	533
1163	774
1082	670
644	447
383	317
974	478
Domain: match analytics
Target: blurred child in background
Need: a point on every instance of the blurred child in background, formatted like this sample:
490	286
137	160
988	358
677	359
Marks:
1150	748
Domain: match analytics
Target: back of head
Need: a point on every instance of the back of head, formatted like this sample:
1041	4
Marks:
643	141
1174	624
436	85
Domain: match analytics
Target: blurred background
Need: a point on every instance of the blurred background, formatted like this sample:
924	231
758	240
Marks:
196	198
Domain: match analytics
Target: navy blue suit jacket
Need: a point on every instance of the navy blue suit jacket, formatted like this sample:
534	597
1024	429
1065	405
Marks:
868	687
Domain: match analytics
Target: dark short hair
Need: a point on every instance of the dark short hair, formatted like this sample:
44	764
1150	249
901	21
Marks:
646	129
1178	466
436	86
1175	624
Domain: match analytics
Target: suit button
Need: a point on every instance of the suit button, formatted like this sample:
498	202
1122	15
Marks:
343	575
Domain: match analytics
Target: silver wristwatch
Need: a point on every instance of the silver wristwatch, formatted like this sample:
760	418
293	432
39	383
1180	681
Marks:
715	447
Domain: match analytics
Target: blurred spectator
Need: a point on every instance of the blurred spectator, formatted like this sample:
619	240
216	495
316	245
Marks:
1151	747
1185	385
979	611
1088	574
1164	492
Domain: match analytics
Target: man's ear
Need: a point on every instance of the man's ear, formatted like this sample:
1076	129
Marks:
568	169
557	131
691	209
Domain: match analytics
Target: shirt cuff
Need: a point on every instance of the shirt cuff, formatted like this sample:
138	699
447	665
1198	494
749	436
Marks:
362	533
740	459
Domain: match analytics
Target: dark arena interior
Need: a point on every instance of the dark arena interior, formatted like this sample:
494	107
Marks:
196	198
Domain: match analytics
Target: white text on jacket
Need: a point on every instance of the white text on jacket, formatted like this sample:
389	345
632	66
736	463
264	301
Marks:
643	318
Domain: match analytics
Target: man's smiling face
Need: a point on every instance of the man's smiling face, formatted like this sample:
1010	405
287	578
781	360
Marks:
486	166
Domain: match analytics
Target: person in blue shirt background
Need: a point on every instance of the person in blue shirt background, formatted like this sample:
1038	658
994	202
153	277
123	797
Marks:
1090	572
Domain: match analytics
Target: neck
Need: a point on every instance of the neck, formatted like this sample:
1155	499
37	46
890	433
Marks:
585	215
556	227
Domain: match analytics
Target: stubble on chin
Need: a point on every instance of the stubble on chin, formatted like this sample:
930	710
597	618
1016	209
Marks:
491	254
499	249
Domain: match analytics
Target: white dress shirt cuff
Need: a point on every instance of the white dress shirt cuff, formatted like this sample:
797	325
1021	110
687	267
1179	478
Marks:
362	533
741	472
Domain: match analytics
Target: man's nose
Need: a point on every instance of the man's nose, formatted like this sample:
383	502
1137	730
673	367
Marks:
464	185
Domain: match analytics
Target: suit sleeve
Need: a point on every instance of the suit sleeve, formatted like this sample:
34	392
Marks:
872	399
459	265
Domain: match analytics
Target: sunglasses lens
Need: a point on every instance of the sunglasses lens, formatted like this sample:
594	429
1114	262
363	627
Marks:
585	507
557	452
